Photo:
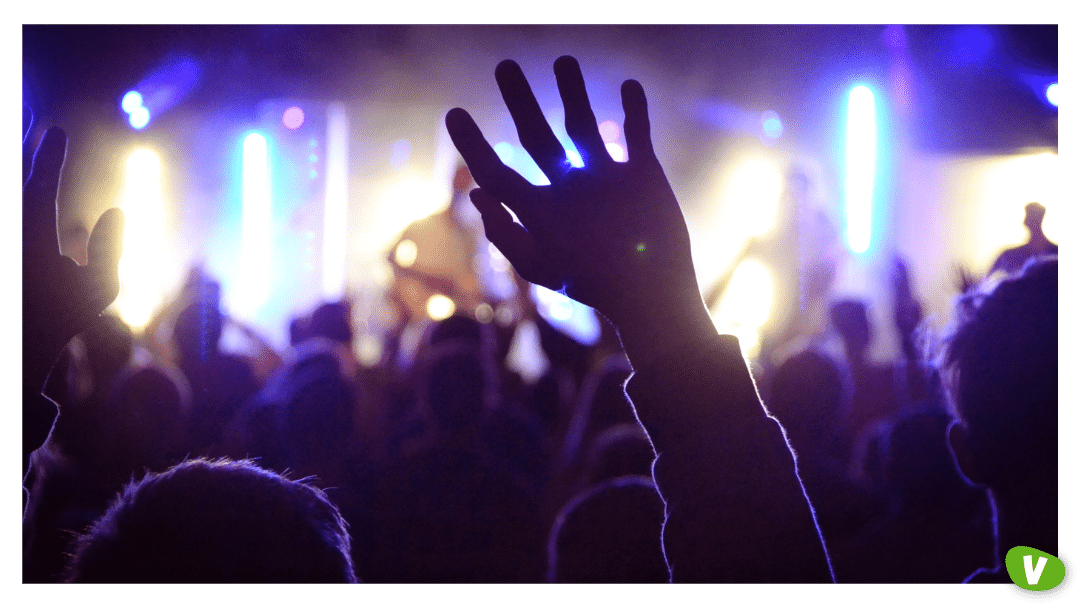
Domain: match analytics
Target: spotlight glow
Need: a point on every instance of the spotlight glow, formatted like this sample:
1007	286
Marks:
131	101
335	208
143	203
1052	94
505	150
746	305
752	191
860	161
255	231
139	118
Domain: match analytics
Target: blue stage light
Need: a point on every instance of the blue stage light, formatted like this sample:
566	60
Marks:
860	163
771	124
139	117
131	101
1052	94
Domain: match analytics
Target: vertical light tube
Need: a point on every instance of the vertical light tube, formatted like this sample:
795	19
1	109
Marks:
336	204
860	162
255	231
143	204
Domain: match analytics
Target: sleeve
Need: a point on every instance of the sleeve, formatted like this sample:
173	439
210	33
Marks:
736	511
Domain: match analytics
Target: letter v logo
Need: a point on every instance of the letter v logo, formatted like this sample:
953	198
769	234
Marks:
1037	575
1034	574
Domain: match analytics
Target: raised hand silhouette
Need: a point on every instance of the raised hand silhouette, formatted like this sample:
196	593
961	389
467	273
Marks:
609	234
60	298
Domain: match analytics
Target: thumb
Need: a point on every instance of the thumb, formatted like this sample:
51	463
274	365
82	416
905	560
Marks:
104	249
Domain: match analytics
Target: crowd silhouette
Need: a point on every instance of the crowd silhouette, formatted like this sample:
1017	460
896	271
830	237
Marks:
647	458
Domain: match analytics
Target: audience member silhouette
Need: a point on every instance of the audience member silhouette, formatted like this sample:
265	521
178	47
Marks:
1013	259
220	383
608	534
216	522
1000	367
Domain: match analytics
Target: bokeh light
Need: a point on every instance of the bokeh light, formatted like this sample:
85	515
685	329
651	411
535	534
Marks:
1052	94
440	307
405	253
131	101
139	118
771	125
292	118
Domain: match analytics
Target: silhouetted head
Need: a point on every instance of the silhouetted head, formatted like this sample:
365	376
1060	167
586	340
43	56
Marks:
147	419
610	533
1000	366
331	321
916	461
1033	216
851	322
198	330
807	393
216	522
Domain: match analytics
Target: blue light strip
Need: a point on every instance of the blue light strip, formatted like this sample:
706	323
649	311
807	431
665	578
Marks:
860	162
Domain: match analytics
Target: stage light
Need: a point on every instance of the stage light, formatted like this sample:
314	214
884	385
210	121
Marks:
440	307
255	232
746	305
771	125
860	163
335	208
142	201
162	89
131	101
752	192
292	118
139	118
1052	94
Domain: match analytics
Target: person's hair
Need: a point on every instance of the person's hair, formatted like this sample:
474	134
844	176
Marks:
217	521
610	533
1000	364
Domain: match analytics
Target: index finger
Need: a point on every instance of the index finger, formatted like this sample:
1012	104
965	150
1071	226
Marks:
487	168
39	194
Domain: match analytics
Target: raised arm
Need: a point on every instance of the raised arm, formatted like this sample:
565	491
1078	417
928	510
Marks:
60	298
611	235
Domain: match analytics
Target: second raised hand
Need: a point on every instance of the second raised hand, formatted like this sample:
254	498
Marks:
610	234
